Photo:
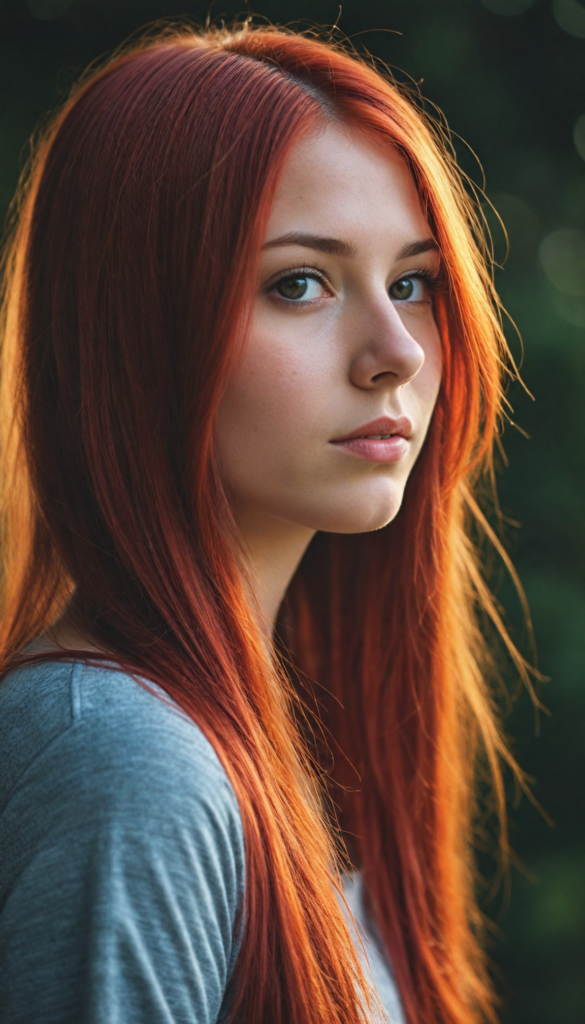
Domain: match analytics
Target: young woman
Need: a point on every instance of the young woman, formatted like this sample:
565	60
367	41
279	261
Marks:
252	369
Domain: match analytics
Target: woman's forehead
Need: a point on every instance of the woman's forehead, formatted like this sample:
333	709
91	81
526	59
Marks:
339	184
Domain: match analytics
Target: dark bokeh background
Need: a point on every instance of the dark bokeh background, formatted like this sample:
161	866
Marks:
509	75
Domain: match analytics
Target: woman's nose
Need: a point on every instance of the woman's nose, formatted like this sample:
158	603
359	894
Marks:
385	352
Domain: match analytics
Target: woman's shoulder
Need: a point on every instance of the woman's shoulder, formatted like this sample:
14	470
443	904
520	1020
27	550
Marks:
122	844
105	732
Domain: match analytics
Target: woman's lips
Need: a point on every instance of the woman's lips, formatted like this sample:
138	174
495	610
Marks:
366	442
390	449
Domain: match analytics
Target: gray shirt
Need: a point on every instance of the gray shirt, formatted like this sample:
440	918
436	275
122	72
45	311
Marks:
122	863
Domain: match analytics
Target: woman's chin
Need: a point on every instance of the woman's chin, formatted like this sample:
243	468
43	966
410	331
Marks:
362	518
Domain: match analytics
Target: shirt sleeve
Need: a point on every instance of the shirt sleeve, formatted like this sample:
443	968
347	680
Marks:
125	905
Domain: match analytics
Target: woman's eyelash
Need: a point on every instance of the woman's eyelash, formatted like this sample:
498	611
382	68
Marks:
314	272
434	278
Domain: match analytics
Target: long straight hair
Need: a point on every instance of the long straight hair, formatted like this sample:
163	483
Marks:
128	288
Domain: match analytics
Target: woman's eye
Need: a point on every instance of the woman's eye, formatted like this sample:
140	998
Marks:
299	286
407	288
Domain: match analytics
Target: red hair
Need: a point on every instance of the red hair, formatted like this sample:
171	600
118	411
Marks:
128	288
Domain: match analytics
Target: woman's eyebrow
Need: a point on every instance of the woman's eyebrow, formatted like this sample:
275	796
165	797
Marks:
416	248
333	246
337	247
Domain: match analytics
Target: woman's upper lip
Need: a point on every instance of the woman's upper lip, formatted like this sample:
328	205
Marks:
383	425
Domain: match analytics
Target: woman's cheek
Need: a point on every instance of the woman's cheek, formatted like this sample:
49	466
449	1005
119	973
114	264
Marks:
280	377
428	381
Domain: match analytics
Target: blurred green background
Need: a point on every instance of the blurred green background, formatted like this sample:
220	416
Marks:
510	76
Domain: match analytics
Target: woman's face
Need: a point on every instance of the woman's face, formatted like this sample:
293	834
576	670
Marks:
343	335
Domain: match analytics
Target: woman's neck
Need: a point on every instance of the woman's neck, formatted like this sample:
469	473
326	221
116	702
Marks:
274	549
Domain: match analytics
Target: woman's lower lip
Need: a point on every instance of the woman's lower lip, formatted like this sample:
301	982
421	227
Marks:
390	449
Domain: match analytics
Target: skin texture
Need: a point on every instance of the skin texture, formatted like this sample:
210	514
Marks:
349	350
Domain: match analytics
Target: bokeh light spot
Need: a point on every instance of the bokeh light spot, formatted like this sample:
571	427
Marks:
507	7
562	257
570	15
47	10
